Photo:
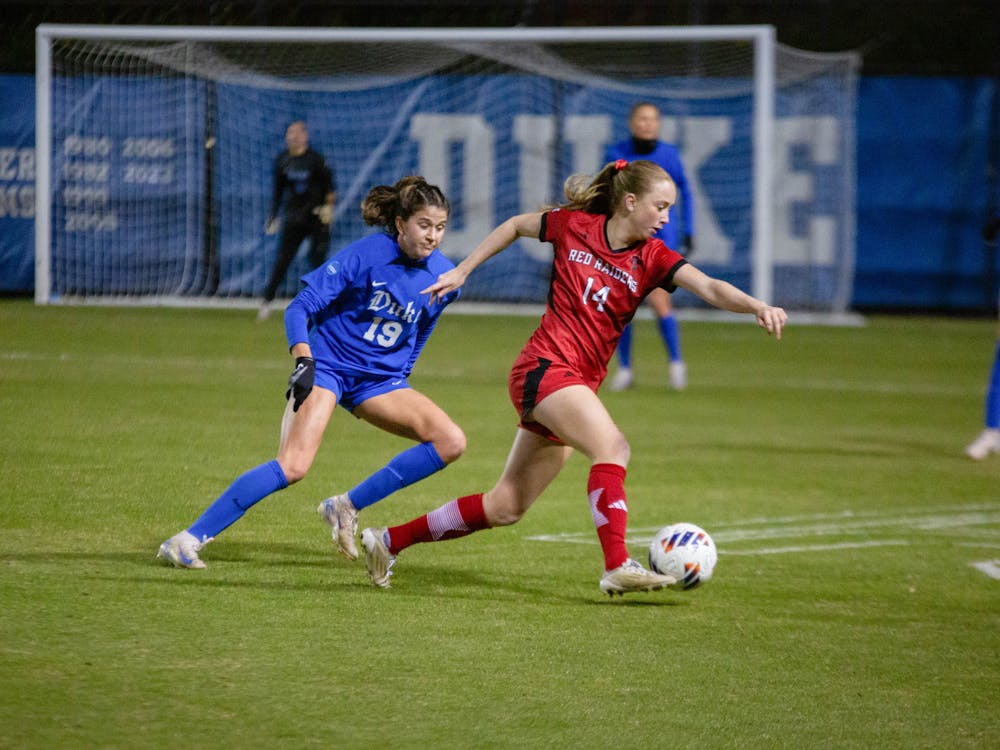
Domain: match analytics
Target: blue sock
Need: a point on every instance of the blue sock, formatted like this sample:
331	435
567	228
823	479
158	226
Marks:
408	467
230	506
625	347
993	393
671	333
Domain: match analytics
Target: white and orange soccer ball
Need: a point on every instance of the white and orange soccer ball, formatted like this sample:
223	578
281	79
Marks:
684	551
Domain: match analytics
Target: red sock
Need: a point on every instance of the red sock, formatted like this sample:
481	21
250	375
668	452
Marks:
453	519
606	490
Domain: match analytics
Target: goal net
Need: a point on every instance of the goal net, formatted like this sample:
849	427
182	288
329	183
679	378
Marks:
156	145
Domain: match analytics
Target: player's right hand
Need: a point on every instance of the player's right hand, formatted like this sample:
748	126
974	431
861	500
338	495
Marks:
271	226
300	382
449	281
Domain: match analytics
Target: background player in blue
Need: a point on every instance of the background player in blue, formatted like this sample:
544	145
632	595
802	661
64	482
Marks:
355	330
644	143
305	183
988	441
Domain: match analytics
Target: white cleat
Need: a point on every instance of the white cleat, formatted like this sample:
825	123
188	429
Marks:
678	375
340	514
622	380
988	442
631	576
264	312
377	556
182	550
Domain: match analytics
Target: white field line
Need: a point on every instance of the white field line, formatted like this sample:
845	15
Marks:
912	523
989	567
819	547
987	534
856	514
981	520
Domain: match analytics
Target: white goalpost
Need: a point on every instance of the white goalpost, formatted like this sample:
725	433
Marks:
155	145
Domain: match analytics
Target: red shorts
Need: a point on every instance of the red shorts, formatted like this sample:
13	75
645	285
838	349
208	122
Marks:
532	378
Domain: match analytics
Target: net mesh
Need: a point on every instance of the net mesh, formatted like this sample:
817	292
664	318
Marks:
161	152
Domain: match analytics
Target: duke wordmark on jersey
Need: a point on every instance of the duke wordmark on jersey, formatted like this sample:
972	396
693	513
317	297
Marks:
382	302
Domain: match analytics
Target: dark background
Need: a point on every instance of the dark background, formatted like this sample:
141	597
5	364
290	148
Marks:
895	37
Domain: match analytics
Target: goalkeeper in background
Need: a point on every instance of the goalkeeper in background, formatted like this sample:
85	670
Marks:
989	439
301	173
644	143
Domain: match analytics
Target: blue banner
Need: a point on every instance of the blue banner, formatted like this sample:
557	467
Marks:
17	184
127	186
924	189
926	179
162	186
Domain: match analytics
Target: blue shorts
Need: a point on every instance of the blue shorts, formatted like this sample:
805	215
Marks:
353	390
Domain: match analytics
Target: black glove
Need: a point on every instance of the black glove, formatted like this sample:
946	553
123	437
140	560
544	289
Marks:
687	242
990	229
300	382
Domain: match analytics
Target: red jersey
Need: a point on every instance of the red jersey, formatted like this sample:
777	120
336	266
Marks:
595	290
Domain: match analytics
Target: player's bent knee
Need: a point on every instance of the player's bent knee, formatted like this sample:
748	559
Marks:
626	452
615	451
451	445
294	471
505	516
448	440
504	509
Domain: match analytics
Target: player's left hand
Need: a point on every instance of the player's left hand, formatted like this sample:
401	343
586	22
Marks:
325	213
300	382
772	319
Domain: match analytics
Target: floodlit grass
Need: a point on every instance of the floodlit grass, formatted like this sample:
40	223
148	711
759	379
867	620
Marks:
845	611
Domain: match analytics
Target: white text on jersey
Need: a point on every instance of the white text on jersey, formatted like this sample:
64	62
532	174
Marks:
384	303
616	274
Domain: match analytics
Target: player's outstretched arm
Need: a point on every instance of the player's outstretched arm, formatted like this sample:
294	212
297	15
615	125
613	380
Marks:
725	296
522	225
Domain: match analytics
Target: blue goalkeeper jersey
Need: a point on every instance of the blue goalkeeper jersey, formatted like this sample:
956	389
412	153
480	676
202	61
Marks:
362	312
667	156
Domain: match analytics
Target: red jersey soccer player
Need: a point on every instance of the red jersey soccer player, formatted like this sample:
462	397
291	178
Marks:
606	261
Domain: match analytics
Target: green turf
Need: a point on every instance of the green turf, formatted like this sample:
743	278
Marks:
845	611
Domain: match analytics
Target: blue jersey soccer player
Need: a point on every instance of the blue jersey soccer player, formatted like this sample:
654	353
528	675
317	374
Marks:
355	330
644	143
988	441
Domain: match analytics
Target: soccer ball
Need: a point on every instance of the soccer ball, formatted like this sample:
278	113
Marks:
684	551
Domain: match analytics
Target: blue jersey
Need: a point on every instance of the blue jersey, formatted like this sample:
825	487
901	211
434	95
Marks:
668	157
362	312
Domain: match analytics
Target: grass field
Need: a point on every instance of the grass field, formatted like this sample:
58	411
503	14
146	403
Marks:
847	609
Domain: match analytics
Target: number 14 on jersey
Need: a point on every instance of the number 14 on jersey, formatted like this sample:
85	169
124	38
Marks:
598	296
